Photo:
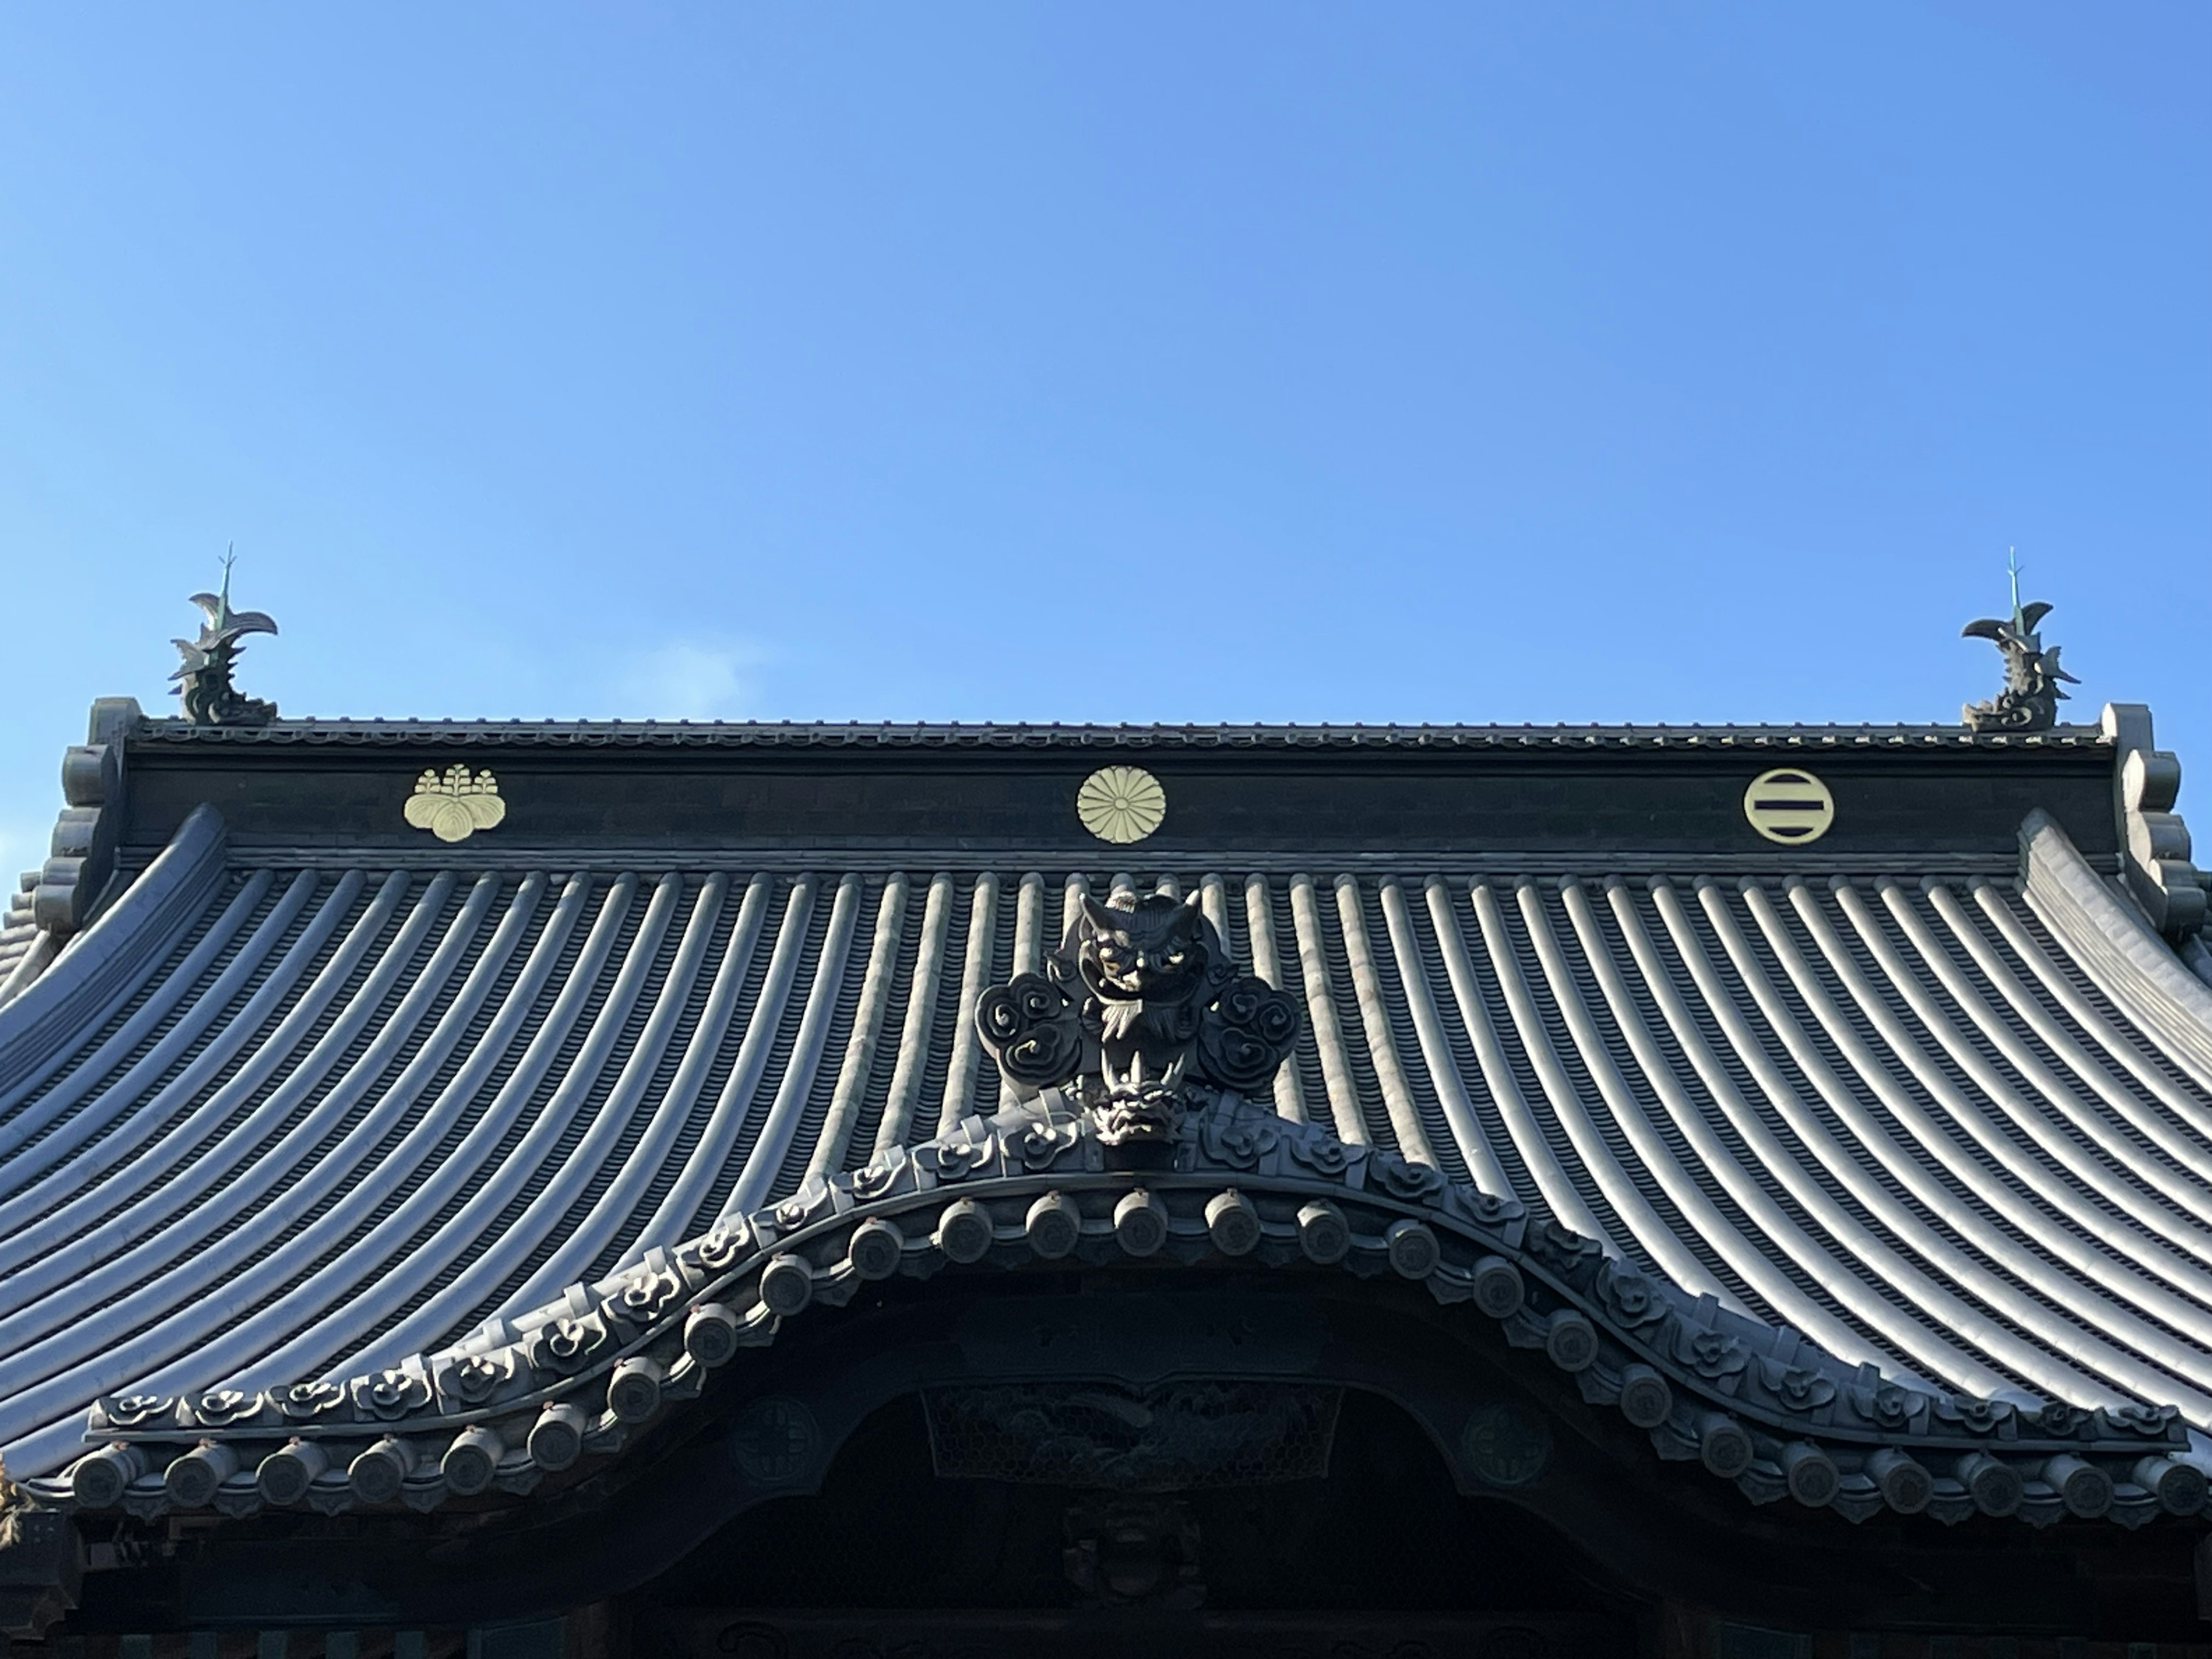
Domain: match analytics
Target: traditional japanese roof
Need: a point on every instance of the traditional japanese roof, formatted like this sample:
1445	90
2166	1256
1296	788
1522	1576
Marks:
1894	1145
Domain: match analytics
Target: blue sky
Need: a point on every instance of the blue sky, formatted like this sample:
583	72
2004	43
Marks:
1423	361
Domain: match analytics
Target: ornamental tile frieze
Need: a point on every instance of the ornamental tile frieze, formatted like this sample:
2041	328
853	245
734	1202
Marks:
1753	1404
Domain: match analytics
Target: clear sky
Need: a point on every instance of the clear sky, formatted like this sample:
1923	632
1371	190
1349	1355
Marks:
1450	361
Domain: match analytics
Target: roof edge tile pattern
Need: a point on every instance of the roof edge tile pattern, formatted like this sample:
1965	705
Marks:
56	899
2154	839
99	968
1754	1402
955	735
2115	946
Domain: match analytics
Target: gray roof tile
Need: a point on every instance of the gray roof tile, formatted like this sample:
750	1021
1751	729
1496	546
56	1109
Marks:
308	1123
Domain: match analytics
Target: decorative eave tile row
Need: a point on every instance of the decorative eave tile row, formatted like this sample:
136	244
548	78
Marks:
1753	1403
955	735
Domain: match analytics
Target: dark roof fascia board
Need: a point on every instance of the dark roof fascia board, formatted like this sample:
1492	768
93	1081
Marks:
1477	805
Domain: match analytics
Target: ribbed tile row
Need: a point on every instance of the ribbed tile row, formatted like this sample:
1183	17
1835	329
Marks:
324	1120
746	734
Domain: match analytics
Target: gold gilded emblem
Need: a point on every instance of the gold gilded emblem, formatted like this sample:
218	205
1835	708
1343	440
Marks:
1122	804
454	807
1789	806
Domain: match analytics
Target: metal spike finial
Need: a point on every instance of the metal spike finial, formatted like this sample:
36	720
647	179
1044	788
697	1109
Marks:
203	677
2033	688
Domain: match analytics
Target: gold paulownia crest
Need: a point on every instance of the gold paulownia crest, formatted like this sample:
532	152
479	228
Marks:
455	806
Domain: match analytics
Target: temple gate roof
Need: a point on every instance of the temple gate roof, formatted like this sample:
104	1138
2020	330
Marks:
396	1083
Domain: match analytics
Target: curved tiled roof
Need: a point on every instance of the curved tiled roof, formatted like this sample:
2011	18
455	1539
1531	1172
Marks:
303	1123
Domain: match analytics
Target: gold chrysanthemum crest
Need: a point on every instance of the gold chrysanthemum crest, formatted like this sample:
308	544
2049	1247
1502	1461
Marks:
454	807
1122	804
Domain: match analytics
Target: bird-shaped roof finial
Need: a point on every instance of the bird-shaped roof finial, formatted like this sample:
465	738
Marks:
2033	692
203	677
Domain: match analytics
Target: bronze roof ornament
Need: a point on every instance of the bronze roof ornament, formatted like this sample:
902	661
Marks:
2032	694
203	683
1140	1018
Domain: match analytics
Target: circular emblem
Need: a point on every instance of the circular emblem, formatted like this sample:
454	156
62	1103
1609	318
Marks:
773	1441
1122	804
1504	1445
1789	806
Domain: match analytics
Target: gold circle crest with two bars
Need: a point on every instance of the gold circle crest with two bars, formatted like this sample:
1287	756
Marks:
1790	806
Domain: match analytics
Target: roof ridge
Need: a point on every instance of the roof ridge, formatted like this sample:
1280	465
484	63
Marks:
1052	734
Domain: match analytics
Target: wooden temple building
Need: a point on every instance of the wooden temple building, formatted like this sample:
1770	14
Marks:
578	1191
